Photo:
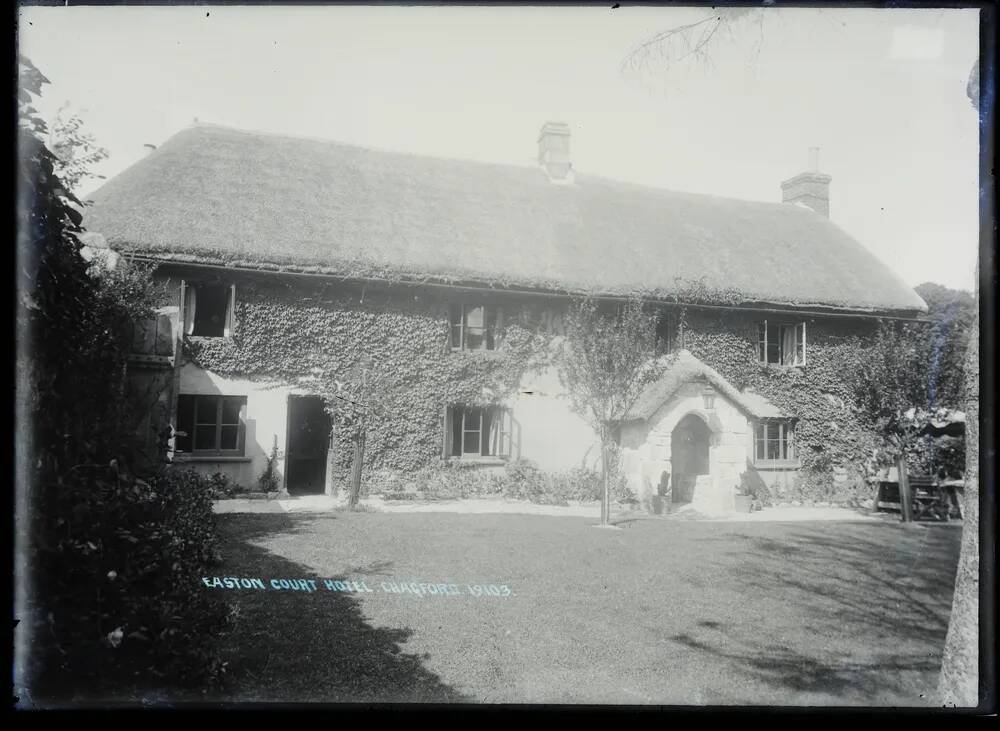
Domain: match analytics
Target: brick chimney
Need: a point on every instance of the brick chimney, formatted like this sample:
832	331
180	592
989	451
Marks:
553	152
811	188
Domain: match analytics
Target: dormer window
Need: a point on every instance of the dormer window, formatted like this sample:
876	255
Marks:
208	310
781	343
475	327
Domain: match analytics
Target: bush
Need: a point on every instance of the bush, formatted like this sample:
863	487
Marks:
578	483
122	584
269	480
523	481
219	486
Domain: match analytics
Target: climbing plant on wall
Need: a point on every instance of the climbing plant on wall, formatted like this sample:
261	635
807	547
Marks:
319	336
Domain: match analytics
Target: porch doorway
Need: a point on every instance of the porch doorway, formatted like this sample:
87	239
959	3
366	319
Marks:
689	443
309	430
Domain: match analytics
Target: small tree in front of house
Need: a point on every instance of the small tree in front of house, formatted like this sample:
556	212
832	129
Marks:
608	356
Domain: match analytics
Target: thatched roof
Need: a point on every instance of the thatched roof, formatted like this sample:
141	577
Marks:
684	368
218	195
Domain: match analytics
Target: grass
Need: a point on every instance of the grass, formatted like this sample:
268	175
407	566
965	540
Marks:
661	612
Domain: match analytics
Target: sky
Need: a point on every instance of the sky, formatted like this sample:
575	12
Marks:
881	92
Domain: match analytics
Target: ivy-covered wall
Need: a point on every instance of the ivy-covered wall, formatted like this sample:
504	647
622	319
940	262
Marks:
830	431
319	334
322	336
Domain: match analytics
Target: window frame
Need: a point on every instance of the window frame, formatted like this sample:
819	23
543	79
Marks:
190	309
763	346
490	333
787	448
217	422
461	428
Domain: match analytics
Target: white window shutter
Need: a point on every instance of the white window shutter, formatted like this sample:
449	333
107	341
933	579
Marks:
505	434
190	302
230	312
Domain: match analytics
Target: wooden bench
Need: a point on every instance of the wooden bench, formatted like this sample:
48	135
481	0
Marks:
929	497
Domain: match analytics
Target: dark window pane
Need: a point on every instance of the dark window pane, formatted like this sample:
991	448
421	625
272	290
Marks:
230	437
471	443
204	437
231	410
207	410
211	303
185	423
455	314
471	438
456	336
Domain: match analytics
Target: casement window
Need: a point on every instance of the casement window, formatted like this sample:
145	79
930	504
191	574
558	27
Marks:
211	425
472	432
774	441
781	343
208	309
475	327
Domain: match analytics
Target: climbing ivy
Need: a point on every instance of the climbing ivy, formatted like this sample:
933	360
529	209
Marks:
830	428
321	337
324	337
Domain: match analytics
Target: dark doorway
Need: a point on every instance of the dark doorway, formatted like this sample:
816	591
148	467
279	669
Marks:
689	444
308	442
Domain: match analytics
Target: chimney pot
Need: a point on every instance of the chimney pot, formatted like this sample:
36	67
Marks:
553	152
814	159
810	189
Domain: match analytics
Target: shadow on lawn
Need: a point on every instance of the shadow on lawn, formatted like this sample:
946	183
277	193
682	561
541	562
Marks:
288	646
893	604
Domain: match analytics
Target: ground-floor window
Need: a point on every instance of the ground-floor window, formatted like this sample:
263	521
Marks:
477	432
774	441
210	425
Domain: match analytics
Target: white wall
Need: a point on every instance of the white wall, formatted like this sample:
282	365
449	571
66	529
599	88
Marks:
552	435
266	419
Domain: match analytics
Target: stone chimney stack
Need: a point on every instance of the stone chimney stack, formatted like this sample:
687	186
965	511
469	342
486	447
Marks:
811	188
147	149
553	152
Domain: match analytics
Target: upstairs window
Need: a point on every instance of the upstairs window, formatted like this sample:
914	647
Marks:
774	441
475	327
211	425
781	343
472	432
208	310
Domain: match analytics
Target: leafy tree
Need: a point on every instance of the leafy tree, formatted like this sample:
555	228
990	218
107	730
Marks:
108	561
951	312
605	361
76	150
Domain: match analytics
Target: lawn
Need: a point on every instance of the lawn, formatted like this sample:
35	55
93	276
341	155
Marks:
661	612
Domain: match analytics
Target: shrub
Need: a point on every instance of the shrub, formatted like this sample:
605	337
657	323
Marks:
523	481
579	483
123	584
219	486
269	480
